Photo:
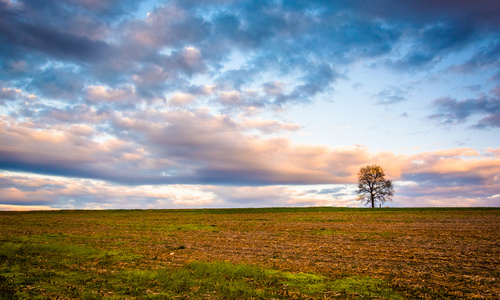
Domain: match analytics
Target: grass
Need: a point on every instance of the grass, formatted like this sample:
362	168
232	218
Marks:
39	271
273	253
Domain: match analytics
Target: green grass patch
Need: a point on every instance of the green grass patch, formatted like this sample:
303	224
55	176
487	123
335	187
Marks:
197	280
366	287
222	280
12	250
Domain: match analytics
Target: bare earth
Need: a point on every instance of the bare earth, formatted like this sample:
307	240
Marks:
429	253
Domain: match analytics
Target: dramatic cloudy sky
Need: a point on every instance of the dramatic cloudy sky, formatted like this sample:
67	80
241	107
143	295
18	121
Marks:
220	103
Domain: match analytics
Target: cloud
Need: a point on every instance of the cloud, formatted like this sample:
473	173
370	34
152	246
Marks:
251	196
391	95
317	80
58	83
170	147
486	58
195	147
455	177
180	99
25	28
176	42
78	113
453	111
335	191
460	173
23	191
94	93
13	94
68	150
270	126
430	43
120	97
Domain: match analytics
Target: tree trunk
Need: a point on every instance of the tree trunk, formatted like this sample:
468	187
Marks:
373	200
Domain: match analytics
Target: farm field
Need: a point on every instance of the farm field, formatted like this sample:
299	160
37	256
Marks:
261	253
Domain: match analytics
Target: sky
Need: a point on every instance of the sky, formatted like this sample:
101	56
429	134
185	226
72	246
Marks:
109	104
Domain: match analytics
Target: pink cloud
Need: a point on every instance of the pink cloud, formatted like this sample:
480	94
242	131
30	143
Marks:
180	99
270	126
97	94
195	147
199	147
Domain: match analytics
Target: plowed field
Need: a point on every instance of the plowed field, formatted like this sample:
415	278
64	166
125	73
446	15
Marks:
300	253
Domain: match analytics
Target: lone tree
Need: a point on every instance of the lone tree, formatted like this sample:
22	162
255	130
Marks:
372	185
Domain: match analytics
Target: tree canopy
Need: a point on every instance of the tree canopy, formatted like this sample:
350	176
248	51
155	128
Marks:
372	185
